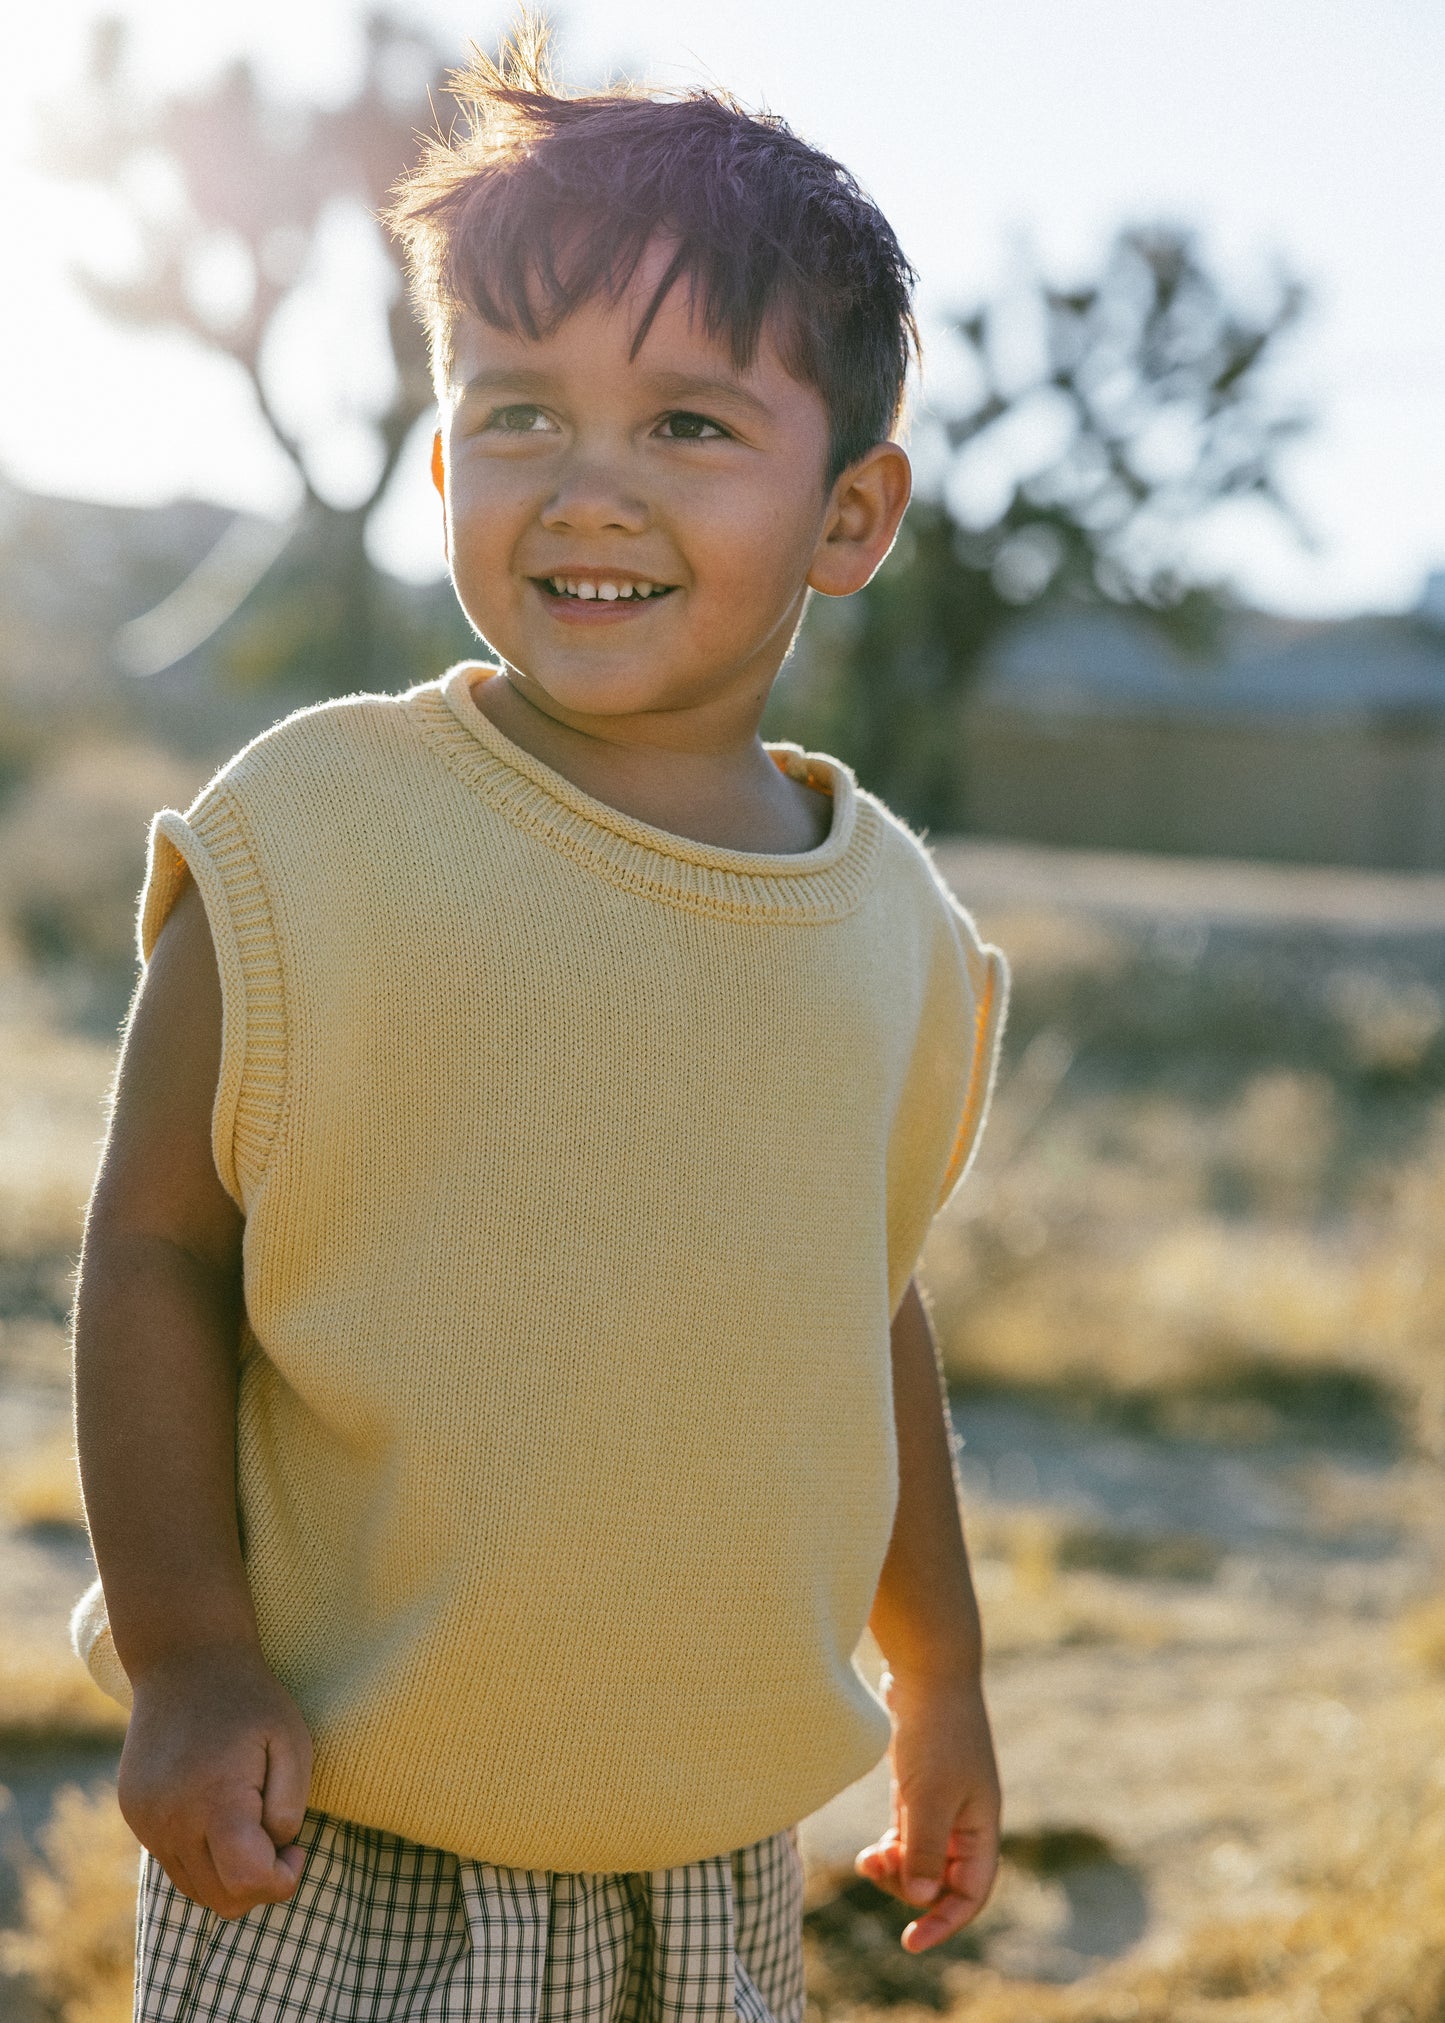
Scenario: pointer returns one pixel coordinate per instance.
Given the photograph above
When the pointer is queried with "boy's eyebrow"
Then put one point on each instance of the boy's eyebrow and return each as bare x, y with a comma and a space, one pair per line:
687, 386
520, 379
507, 379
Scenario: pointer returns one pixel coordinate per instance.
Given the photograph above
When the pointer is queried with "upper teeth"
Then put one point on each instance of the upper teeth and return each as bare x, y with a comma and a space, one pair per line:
571, 586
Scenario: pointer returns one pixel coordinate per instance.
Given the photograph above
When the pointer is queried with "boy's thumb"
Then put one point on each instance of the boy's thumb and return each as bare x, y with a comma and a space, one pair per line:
283, 1800
925, 1848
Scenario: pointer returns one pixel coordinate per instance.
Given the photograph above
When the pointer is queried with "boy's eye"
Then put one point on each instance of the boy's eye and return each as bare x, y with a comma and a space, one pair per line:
690, 428
521, 418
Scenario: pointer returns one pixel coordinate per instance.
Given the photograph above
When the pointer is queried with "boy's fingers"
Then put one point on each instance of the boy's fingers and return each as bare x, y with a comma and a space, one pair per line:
971, 1870
284, 1795
246, 1863
925, 1850
204, 1886
968, 1872
880, 1857
942, 1919
196, 1877
179, 1873
967, 1879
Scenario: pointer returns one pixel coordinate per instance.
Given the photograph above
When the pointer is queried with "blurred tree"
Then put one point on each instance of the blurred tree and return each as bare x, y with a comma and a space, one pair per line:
1153, 386
228, 195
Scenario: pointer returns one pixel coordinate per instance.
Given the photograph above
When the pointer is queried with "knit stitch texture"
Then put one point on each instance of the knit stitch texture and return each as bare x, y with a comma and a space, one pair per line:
583, 1168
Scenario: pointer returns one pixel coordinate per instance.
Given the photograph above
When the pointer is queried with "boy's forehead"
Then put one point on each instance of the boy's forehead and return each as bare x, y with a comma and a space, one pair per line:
599, 338
598, 326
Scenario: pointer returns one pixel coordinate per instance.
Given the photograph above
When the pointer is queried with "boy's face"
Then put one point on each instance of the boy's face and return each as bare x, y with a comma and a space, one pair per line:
577, 479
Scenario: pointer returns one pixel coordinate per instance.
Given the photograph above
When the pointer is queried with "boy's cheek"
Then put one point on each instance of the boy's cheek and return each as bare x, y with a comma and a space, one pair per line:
481, 488
480, 549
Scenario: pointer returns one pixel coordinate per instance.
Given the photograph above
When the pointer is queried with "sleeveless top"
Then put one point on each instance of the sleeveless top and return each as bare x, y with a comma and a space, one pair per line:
583, 1167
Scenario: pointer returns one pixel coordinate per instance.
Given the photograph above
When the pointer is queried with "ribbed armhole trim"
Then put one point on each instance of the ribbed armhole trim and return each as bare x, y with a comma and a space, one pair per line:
251, 1087
94, 1645
990, 1008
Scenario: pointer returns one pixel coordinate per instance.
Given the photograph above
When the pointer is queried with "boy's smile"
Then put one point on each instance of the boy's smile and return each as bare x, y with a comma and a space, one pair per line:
635, 537
590, 597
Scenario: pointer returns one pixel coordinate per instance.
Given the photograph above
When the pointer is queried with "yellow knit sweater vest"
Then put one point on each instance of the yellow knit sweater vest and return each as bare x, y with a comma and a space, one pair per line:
583, 1168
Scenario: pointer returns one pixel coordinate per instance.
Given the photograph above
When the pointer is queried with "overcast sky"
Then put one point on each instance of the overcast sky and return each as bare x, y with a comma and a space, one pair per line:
1301, 131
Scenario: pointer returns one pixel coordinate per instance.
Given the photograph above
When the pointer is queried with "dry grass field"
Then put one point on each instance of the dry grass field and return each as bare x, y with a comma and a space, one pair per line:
1193, 1312
1193, 1309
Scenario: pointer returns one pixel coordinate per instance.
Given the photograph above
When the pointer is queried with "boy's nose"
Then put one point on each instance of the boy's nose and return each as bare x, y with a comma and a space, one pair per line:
590, 496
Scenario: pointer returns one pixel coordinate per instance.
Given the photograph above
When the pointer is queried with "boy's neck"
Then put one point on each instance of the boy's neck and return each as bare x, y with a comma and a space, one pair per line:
713, 783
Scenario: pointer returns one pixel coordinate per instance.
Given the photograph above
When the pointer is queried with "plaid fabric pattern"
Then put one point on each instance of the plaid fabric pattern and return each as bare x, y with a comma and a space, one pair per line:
382, 1930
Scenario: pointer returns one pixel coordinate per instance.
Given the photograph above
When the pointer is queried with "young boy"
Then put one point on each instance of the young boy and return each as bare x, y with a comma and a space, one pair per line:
498, 1364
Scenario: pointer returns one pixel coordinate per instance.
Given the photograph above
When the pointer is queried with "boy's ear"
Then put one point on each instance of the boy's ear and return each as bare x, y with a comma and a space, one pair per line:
439, 479
867, 503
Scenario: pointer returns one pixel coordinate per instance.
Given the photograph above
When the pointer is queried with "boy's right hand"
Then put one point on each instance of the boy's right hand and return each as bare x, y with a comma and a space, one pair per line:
214, 1777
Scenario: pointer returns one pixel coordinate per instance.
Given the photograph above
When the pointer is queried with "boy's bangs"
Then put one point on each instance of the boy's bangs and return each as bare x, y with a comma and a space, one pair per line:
526, 274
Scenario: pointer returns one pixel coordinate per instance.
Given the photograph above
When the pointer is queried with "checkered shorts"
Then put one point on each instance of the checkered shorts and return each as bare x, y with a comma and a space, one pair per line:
382, 1930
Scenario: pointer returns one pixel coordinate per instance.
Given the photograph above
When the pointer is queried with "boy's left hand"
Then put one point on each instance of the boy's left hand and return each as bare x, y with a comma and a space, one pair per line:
941, 1850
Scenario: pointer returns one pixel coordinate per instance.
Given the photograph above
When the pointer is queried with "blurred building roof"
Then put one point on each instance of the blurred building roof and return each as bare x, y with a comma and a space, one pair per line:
1317, 742
1093, 661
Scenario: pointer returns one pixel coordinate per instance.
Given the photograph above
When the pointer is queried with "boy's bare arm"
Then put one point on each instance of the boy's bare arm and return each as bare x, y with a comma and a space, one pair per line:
941, 1849
217, 1759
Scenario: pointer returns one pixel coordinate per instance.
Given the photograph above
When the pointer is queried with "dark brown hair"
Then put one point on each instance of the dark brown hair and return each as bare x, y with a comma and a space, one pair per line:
545, 201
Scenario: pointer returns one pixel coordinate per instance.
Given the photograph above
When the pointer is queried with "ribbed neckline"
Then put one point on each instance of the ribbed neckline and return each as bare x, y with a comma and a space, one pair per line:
820, 884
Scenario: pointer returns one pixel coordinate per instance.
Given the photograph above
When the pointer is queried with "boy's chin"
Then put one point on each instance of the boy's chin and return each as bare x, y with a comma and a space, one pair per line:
596, 692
